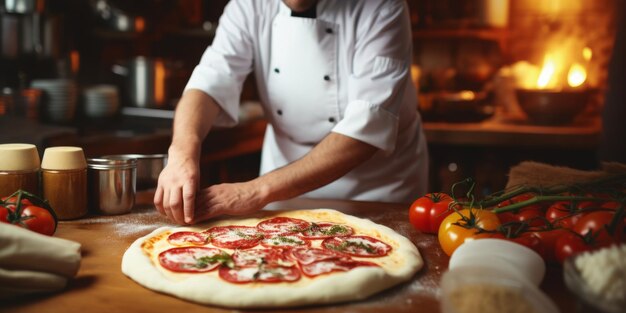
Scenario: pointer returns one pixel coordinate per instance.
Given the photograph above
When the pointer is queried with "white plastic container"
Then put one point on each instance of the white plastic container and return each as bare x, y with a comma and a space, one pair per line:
506, 255
494, 274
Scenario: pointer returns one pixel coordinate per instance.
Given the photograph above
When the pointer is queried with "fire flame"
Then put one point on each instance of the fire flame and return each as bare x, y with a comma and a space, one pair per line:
552, 70
576, 75
547, 72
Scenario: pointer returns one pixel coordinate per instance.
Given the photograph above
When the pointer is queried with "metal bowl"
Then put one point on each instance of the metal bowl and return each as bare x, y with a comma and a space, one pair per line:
552, 107
149, 166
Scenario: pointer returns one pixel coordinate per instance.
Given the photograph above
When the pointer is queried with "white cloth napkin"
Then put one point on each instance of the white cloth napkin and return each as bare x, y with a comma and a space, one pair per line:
33, 263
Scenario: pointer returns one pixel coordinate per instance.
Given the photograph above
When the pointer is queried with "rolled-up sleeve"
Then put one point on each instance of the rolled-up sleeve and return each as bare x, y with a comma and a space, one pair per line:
226, 63
380, 70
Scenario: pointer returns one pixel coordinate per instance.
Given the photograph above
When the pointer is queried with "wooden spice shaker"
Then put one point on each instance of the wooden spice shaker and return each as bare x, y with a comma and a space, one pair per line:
19, 168
64, 181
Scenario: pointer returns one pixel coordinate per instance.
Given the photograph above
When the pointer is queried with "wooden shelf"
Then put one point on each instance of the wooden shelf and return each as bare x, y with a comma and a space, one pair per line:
494, 133
499, 35
494, 34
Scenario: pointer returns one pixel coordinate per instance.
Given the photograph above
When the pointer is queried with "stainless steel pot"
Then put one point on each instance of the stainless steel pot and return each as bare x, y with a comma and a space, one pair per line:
149, 166
146, 81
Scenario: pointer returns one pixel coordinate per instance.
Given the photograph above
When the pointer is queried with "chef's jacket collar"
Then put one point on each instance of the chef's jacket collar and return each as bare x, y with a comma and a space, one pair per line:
310, 13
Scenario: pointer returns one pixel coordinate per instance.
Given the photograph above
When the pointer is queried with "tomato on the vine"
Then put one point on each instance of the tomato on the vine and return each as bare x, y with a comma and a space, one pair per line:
521, 198
548, 238
31, 213
427, 212
39, 220
532, 216
570, 244
526, 239
465, 225
564, 214
598, 224
4, 214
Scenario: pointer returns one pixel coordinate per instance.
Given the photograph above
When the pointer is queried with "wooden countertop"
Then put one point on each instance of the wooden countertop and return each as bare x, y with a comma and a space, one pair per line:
100, 285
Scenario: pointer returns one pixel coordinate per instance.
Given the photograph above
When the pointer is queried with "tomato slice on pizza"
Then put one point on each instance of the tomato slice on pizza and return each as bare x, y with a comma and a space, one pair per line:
234, 237
192, 259
283, 225
326, 230
267, 274
284, 241
359, 246
334, 265
183, 238
311, 255
257, 257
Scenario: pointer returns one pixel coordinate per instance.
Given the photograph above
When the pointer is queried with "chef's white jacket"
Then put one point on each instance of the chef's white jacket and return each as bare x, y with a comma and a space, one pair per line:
355, 82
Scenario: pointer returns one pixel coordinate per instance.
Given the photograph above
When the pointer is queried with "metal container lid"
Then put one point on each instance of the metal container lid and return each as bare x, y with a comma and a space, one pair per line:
136, 156
107, 164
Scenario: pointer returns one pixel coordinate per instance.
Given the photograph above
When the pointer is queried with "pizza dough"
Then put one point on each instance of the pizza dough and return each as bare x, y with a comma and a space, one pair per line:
354, 276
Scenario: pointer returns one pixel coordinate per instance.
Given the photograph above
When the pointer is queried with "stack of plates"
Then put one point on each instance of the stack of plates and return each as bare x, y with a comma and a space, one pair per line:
61, 96
101, 101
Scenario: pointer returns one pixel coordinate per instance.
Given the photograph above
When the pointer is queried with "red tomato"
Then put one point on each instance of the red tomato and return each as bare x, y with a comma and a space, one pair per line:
564, 214
531, 215
452, 232
4, 214
569, 245
38, 220
531, 241
521, 198
612, 205
427, 212
548, 240
597, 223
528, 240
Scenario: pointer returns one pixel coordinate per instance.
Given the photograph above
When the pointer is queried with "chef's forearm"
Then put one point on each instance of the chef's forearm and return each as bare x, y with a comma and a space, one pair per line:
194, 116
331, 159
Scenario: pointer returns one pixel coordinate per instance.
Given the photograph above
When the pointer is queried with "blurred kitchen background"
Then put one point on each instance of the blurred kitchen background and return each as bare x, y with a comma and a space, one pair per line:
500, 81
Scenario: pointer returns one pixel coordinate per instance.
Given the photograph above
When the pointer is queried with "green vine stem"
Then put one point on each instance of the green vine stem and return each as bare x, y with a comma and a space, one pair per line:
554, 190
539, 199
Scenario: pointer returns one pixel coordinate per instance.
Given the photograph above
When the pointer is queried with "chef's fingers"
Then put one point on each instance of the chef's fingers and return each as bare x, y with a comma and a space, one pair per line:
189, 195
176, 205
166, 205
158, 199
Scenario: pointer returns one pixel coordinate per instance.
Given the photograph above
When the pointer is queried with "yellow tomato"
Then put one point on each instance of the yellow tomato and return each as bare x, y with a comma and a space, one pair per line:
469, 221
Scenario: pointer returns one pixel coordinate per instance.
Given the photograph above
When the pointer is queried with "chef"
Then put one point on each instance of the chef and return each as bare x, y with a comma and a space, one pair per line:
334, 80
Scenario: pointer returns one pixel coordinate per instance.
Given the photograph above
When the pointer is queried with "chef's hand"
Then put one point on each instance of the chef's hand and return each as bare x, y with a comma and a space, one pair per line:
230, 199
176, 191
179, 180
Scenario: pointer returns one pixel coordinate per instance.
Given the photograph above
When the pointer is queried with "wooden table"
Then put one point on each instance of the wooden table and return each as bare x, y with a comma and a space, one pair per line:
100, 285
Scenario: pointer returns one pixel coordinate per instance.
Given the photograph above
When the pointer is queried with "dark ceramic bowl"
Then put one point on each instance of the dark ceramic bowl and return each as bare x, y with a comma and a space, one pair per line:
462, 106
550, 107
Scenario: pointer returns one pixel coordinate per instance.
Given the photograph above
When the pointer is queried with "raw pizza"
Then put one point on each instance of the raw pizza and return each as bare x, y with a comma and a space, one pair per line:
274, 259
